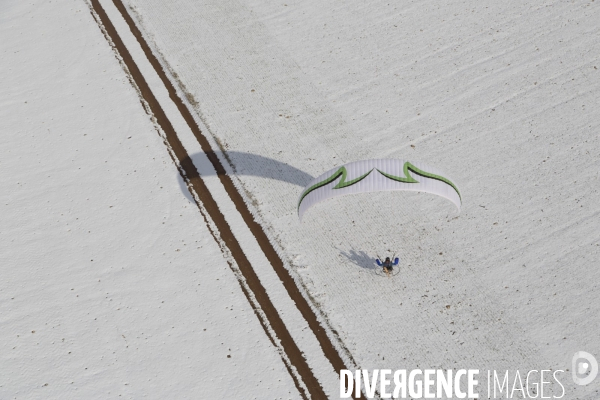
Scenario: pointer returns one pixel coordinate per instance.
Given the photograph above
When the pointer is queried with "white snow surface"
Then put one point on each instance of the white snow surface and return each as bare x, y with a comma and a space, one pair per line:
502, 96
111, 283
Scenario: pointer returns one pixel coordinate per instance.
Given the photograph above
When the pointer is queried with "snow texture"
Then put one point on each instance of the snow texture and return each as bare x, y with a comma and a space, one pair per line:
501, 96
112, 285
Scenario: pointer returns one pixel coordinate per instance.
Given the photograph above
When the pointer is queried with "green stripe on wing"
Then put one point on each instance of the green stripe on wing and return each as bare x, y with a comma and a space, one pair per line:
408, 167
341, 184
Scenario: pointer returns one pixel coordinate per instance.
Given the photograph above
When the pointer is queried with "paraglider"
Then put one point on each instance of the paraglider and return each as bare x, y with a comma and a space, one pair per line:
376, 176
387, 265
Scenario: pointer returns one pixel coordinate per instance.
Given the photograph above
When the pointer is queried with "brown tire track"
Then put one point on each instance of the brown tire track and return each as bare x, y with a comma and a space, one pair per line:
190, 174
276, 262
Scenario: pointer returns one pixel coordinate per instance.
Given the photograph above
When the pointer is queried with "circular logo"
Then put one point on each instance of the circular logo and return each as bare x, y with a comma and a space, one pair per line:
584, 368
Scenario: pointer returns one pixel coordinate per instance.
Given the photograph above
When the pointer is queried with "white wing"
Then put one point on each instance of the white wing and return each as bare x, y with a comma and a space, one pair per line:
376, 176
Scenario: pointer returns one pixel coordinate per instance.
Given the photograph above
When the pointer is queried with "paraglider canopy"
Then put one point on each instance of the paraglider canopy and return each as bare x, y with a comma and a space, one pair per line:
376, 176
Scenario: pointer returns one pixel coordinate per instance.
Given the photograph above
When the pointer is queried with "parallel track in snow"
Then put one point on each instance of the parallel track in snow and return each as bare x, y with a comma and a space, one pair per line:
253, 289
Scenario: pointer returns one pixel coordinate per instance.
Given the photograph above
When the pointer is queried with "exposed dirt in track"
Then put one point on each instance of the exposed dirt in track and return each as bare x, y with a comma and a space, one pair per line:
256, 229
191, 175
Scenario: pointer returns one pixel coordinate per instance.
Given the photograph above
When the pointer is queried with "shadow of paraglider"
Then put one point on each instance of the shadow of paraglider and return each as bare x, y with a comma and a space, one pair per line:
368, 263
360, 258
255, 165
245, 164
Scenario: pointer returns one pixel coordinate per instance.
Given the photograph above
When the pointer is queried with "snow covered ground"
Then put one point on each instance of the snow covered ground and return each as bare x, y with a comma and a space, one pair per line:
111, 284
503, 97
